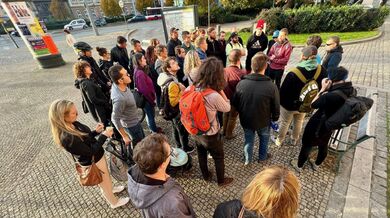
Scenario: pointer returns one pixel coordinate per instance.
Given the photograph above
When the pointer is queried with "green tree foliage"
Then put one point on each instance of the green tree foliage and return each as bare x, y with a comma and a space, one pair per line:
169, 3
241, 4
59, 10
200, 3
140, 5
110, 7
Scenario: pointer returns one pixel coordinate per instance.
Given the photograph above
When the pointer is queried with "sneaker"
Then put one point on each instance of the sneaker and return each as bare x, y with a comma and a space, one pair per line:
189, 150
313, 164
161, 112
276, 141
227, 181
121, 202
209, 156
294, 164
246, 163
118, 189
269, 156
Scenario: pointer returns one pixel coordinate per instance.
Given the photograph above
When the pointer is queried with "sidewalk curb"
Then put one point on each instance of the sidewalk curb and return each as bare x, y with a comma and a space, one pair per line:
379, 35
128, 34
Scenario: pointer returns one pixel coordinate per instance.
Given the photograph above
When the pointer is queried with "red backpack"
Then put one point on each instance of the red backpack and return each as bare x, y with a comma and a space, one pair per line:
193, 112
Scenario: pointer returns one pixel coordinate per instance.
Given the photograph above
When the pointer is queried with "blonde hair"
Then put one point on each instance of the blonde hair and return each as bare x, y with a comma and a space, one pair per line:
57, 112
199, 41
191, 61
273, 193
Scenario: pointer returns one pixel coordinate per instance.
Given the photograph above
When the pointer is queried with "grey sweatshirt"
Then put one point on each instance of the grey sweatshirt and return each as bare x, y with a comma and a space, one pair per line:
124, 109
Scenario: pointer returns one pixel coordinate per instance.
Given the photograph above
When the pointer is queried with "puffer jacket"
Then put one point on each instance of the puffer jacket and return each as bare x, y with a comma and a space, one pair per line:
333, 58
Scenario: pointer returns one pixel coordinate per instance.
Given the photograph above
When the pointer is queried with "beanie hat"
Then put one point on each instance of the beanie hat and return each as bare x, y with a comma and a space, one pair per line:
260, 24
309, 51
337, 74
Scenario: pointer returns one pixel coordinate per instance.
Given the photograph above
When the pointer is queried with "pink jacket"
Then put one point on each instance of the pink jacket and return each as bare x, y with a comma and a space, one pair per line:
281, 53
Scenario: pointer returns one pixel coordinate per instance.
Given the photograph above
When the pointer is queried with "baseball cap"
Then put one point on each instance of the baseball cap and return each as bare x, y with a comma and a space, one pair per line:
276, 34
173, 29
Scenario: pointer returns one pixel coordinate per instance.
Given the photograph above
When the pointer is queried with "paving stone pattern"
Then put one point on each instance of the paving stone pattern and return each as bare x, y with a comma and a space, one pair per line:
38, 178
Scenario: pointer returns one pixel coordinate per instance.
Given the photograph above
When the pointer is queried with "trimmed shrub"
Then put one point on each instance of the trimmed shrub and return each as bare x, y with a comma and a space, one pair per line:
312, 19
219, 15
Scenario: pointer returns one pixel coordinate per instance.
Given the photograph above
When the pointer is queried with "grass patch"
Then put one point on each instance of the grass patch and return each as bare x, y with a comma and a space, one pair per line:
300, 39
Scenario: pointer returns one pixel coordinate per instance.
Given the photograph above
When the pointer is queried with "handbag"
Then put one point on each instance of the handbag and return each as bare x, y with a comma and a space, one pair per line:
88, 175
140, 100
84, 105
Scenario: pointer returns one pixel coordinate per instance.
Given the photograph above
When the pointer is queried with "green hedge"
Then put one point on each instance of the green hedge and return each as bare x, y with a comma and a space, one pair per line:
314, 19
219, 15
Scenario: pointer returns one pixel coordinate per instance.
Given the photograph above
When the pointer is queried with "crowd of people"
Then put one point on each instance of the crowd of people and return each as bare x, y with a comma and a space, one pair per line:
204, 62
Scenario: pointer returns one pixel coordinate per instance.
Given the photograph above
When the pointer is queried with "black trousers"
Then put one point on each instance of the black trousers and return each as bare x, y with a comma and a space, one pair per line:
276, 76
180, 134
214, 145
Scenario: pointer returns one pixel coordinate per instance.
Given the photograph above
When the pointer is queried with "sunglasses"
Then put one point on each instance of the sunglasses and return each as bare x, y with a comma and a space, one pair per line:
329, 44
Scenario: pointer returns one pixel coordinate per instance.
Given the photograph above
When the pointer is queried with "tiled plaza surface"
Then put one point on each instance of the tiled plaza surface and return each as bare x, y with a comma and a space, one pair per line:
38, 178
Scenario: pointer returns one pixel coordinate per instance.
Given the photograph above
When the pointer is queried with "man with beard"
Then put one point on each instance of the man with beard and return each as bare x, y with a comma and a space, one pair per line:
257, 42
214, 47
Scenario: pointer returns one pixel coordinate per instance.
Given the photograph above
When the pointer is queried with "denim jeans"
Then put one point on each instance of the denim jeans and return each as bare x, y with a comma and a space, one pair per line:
264, 135
150, 114
180, 134
136, 134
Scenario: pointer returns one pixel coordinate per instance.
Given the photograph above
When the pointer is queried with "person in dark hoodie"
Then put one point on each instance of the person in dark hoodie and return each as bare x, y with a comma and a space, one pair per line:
274, 192
257, 42
334, 53
150, 188
173, 41
214, 47
104, 62
290, 93
94, 100
180, 54
85, 54
328, 101
257, 102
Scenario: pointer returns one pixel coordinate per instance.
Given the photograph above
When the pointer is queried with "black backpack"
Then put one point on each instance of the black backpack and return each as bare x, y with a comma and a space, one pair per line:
354, 109
169, 112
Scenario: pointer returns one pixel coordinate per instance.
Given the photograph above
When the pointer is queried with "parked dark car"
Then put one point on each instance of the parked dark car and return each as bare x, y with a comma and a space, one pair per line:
100, 22
136, 18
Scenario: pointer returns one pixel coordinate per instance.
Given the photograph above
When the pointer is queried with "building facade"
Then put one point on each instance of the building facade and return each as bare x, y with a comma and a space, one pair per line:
79, 11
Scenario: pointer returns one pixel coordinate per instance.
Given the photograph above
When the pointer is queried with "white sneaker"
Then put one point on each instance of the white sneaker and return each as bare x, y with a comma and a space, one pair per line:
121, 202
313, 165
276, 141
118, 189
294, 164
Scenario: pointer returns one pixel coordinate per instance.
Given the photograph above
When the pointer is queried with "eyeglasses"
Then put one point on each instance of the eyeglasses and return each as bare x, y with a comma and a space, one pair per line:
171, 153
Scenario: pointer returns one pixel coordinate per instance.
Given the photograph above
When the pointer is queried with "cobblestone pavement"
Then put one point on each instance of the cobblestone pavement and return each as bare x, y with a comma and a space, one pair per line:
38, 178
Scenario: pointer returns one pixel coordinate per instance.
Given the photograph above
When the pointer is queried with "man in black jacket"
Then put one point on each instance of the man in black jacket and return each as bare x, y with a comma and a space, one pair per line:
119, 53
257, 102
173, 41
257, 42
290, 93
214, 47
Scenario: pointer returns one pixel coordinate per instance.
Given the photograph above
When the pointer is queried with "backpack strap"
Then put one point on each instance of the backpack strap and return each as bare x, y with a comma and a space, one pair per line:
299, 74
318, 72
167, 82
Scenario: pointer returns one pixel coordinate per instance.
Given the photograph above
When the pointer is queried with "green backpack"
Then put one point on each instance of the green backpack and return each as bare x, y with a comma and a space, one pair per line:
309, 91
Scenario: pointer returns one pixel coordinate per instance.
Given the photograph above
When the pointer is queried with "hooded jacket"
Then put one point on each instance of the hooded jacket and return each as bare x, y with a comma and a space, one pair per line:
257, 101
281, 53
174, 90
158, 199
333, 58
292, 85
232, 209
255, 44
93, 96
121, 56
97, 74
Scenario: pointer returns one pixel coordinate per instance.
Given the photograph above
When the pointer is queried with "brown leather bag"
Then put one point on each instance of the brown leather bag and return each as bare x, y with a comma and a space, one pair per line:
88, 175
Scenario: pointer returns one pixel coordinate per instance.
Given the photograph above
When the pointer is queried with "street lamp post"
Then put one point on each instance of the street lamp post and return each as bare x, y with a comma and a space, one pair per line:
122, 4
90, 18
208, 12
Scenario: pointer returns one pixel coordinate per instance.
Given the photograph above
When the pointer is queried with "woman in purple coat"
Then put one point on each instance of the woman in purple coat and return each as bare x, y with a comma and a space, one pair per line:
144, 84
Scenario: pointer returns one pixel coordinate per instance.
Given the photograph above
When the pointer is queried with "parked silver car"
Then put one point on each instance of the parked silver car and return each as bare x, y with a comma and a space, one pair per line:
76, 25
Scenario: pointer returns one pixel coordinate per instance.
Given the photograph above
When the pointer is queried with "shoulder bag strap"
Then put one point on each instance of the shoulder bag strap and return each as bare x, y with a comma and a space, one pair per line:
318, 72
299, 74
241, 215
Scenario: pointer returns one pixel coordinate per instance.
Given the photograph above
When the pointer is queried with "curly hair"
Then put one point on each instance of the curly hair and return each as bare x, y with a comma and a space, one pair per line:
211, 75
79, 69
